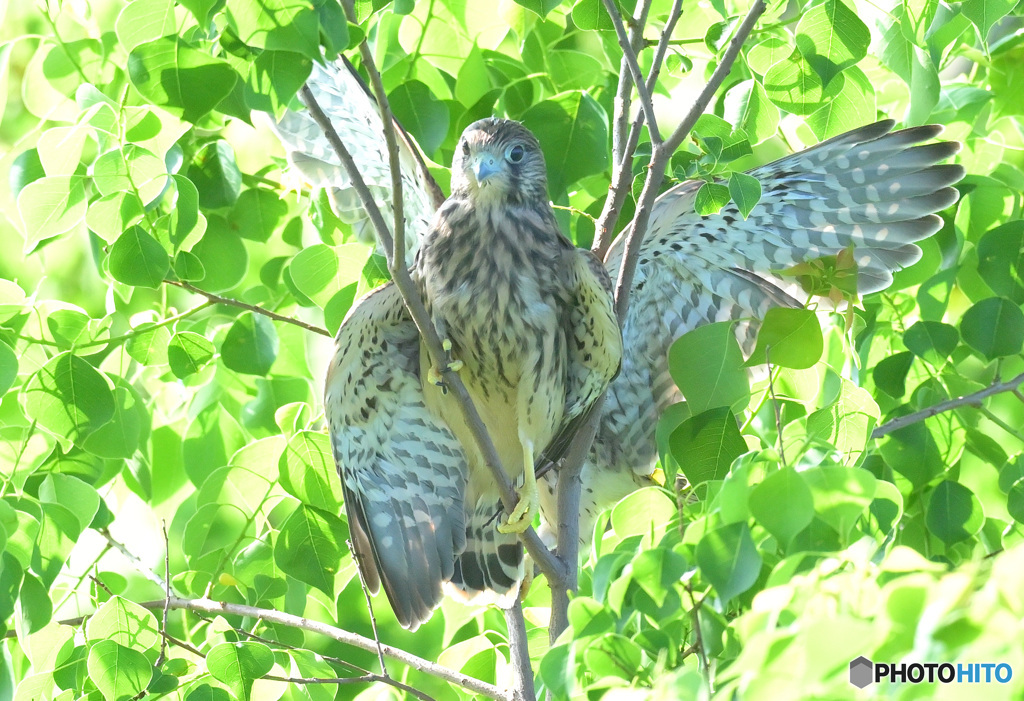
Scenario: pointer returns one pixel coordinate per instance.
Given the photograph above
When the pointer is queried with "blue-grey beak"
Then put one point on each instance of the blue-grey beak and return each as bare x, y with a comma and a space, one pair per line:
486, 165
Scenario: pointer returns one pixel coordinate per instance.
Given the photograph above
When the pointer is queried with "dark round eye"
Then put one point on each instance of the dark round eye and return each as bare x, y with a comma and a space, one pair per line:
465, 147
515, 154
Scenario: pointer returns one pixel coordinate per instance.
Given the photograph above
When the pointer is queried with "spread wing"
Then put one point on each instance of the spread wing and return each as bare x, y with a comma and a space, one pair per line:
345, 99
871, 188
403, 472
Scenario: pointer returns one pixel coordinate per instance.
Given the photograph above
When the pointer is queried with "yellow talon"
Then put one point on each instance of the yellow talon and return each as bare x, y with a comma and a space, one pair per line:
529, 497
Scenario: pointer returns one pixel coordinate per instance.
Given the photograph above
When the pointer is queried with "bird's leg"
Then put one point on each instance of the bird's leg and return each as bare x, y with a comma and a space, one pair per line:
435, 374
529, 497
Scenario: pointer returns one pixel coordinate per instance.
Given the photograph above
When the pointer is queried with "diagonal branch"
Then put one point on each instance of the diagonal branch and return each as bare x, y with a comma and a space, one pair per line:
948, 405
217, 299
629, 57
624, 143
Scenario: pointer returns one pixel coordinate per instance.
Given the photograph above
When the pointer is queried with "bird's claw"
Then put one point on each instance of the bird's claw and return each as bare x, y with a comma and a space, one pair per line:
435, 375
529, 503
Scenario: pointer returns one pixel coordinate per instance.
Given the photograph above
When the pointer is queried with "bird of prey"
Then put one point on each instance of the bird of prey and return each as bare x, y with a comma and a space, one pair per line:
402, 455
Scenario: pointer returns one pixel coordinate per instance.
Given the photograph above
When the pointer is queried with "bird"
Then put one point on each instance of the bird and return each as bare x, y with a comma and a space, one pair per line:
874, 191
530, 322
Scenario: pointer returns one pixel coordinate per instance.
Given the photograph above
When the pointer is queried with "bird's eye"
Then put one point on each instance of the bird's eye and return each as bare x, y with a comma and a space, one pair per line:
465, 147
515, 154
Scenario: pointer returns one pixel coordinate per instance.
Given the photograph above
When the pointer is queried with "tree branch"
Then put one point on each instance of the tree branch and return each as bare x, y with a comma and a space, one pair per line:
519, 652
629, 57
623, 146
948, 405
217, 299
663, 153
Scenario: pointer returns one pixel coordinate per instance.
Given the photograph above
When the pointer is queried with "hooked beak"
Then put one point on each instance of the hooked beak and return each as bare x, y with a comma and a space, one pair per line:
486, 165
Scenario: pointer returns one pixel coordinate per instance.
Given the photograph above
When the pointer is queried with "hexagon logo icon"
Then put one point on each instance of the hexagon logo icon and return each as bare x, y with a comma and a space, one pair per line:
861, 672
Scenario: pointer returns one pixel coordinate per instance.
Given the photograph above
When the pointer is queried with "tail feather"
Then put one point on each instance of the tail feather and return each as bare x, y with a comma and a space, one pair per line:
491, 567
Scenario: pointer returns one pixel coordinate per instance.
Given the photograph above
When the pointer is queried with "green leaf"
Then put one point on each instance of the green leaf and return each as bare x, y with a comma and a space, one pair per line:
222, 255
111, 214
832, 38
573, 132
258, 213
728, 558
130, 169
125, 623
215, 174
1015, 501
308, 471
747, 106
932, 340
591, 15
985, 13
188, 352
422, 114
847, 424
145, 20
274, 79
954, 512
706, 444
541, 7
710, 199
283, 25
185, 81
793, 85
314, 271
745, 191
251, 345
120, 437
841, 495
707, 366
783, 504
34, 606
68, 397
310, 546
890, 374
73, 494
789, 338
849, 103
50, 207
994, 327
119, 673
1001, 260
8, 368
136, 258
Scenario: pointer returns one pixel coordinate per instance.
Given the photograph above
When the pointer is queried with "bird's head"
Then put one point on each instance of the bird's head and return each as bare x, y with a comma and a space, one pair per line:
499, 161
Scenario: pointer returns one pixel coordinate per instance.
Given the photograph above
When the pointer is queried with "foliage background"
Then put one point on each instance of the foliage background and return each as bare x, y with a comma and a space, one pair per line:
129, 402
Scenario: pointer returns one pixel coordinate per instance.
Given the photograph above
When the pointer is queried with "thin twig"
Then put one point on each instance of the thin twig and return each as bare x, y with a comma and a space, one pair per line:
519, 652
630, 58
948, 405
775, 406
553, 569
369, 607
167, 593
139, 565
698, 642
255, 309
622, 170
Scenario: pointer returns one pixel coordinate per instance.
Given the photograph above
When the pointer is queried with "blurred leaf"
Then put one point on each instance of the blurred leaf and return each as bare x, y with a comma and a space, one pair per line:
931, 340
783, 504
68, 397
994, 327
136, 258
125, 623
789, 338
1001, 260
239, 664
890, 375
707, 366
251, 345
573, 132
50, 207
832, 38
162, 69
426, 117
729, 559
188, 352
954, 512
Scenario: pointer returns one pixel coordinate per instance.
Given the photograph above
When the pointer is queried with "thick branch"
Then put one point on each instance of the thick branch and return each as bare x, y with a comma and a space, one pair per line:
948, 405
519, 652
553, 569
251, 307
